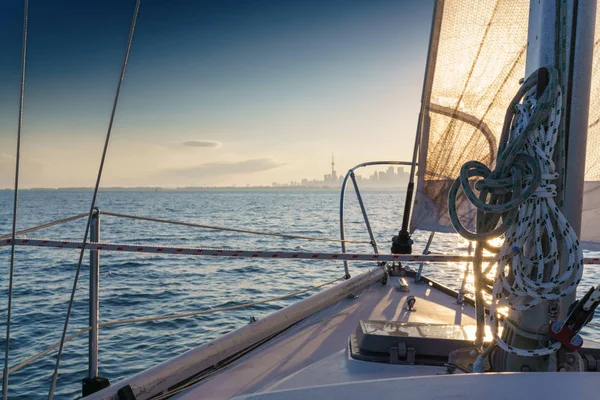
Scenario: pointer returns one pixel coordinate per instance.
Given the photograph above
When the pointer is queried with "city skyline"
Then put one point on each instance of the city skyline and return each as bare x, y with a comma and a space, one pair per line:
392, 177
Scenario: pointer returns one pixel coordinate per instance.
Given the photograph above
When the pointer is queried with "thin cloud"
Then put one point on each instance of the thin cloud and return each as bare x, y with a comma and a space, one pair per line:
221, 168
202, 143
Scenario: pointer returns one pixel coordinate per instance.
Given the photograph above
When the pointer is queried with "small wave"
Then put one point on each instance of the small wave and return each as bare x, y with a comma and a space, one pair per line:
127, 264
243, 270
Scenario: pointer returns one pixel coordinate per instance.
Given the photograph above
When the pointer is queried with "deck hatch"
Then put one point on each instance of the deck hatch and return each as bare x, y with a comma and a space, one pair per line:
421, 343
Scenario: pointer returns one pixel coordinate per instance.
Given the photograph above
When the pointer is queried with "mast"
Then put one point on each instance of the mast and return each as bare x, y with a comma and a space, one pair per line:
580, 71
560, 34
402, 243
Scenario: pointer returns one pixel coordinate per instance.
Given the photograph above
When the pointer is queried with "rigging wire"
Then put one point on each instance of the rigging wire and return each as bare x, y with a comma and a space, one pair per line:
94, 196
46, 225
166, 317
48, 350
214, 310
166, 221
15, 202
240, 253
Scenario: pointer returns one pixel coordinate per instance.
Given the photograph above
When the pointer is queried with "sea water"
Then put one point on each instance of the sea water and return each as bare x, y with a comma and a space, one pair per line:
141, 285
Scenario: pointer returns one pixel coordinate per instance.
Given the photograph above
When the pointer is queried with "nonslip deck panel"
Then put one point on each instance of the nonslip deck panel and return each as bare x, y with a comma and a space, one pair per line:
326, 333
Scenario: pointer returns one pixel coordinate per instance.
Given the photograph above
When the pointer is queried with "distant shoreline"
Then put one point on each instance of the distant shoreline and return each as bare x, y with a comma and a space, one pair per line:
266, 188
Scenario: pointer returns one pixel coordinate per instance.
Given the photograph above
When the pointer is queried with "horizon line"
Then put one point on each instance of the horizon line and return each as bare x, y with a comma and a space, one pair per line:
188, 187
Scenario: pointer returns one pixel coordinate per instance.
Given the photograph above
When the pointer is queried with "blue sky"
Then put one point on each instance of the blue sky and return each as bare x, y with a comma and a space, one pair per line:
216, 92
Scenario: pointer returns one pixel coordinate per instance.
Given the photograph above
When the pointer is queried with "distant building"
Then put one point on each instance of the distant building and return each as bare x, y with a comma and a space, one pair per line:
331, 179
390, 178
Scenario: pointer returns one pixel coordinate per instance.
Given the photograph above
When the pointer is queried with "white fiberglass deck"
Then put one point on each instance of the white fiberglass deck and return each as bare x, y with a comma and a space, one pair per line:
489, 386
313, 351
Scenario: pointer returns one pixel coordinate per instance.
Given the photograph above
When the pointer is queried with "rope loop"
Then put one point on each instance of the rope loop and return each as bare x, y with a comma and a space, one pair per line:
524, 166
516, 199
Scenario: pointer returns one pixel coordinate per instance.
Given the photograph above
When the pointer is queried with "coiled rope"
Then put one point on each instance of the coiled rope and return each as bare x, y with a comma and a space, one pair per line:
516, 199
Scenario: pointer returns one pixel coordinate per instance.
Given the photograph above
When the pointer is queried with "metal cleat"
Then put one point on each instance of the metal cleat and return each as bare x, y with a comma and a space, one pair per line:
403, 285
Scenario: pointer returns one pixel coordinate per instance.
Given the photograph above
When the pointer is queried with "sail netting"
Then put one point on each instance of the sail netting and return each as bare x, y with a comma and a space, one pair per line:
480, 59
479, 62
590, 222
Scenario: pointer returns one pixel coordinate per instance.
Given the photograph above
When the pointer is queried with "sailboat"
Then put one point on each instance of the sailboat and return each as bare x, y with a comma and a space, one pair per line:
509, 114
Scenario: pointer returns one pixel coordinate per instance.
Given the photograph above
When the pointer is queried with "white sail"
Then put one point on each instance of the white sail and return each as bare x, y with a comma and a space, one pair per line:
480, 60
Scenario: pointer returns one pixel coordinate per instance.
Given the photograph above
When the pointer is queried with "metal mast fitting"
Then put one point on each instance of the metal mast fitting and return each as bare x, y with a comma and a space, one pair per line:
560, 34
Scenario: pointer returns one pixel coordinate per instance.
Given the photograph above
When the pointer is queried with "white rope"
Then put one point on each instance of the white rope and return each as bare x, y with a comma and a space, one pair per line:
235, 253
165, 317
15, 202
302, 255
513, 326
220, 228
94, 196
522, 252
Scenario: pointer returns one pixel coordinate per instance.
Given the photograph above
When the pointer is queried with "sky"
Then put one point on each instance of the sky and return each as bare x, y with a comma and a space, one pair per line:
216, 93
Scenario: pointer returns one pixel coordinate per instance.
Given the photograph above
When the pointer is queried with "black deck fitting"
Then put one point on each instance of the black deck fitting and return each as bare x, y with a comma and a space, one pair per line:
93, 385
402, 244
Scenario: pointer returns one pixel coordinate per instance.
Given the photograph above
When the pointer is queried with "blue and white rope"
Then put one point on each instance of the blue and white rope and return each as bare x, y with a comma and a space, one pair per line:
516, 199
522, 256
